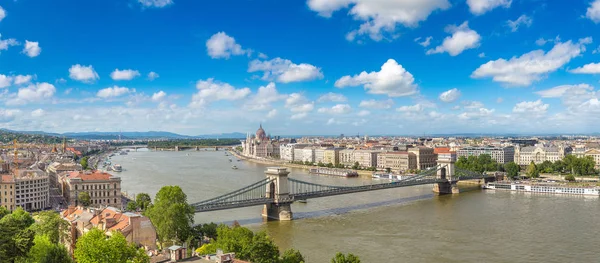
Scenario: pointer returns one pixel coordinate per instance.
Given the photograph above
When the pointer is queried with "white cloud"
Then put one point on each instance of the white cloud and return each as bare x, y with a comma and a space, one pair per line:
531, 107
532, 66
152, 75
283, 70
593, 12
462, 38
424, 43
83, 73
22, 79
126, 74
337, 109
476, 114
481, 55
377, 104
392, 80
32, 49
264, 97
381, 16
479, 7
7, 115
159, 96
332, 97
155, 3
570, 95
220, 45
450, 95
363, 113
272, 113
522, 20
333, 121
413, 108
5, 81
111, 92
472, 104
210, 90
295, 99
2, 13
592, 68
306, 107
37, 113
37, 92
6, 43
299, 116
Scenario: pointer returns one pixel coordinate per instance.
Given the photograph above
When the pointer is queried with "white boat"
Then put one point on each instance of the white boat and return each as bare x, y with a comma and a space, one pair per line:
384, 176
116, 168
234, 167
544, 188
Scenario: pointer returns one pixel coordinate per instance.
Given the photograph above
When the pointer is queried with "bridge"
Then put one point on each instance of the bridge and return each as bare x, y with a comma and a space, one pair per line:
277, 191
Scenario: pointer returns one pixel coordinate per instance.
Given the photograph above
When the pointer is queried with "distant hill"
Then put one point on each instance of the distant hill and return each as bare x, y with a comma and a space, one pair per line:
233, 135
130, 135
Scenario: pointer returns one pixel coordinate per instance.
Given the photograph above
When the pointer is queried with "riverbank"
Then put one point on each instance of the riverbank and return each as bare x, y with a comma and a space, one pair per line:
361, 173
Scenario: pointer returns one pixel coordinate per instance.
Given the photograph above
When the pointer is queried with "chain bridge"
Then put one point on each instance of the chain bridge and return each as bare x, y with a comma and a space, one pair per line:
277, 191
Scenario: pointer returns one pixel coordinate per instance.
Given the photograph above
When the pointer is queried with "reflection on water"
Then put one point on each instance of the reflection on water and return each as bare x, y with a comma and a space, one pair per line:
393, 225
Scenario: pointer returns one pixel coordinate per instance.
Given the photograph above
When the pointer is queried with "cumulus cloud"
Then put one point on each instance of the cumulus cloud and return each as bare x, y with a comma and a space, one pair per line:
480, 7
22, 79
85, 74
592, 68
523, 20
7, 115
284, 71
264, 97
462, 38
299, 116
363, 113
337, 109
413, 108
380, 16
424, 43
476, 114
472, 104
392, 80
332, 97
2, 13
159, 96
37, 92
111, 92
593, 12
155, 3
6, 43
210, 90
272, 113
126, 74
531, 107
376, 104
450, 95
152, 75
37, 113
220, 45
32, 49
5, 81
570, 95
532, 66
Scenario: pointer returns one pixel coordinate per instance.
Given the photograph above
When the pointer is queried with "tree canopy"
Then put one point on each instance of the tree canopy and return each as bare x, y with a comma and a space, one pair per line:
481, 163
94, 247
16, 238
84, 198
142, 201
50, 224
171, 215
341, 258
512, 169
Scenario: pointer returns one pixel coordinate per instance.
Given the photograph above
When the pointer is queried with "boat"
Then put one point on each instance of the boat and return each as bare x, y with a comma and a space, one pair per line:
116, 168
234, 167
230, 160
123, 153
302, 201
544, 188
383, 176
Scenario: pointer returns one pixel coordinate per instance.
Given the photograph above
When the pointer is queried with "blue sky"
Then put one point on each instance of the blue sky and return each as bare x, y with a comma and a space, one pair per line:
301, 67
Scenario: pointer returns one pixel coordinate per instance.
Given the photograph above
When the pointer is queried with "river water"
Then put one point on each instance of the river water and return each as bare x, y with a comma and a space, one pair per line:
394, 225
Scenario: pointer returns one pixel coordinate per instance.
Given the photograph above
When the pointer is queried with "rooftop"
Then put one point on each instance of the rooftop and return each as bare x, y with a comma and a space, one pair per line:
90, 176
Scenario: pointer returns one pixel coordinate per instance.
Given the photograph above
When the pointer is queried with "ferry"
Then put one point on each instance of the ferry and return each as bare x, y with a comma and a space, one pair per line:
333, 171
234, 167
116, 168
384, 176
544, 188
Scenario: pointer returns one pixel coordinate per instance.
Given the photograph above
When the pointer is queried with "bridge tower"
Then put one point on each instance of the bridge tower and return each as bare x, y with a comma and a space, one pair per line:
446, 172
281, 207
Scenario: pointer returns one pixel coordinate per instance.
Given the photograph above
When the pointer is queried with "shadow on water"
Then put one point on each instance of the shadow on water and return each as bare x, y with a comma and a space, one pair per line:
339, 210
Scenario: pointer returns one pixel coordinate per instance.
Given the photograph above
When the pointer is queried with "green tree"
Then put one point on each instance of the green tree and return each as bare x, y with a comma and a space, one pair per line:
558, 166
307, 163
143, 200
85, 199
131, 206
292, 256
3, 212
532, 171
570, 177
262, 249
320, 164
356, 166
16, 237
84, 163
50, 224
341, 258
94, 247
44, 250
329, 165
388, 170
512, 169
171, 215
207, 249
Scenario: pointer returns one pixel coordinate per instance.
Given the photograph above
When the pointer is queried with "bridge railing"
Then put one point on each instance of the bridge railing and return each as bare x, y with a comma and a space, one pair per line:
251, 192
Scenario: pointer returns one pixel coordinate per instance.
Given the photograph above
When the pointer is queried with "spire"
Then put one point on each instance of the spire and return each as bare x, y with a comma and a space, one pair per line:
261, 125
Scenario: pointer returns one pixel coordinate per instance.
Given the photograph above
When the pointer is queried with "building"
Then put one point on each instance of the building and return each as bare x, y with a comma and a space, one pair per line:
56, 168
346, 157
32, 190
7, 194
136, 228
104, 189
286, 151
595, 154
365, 158
397, 161
319, 155
501, 155
331, 155
260, 145
307, 154
425, 157
538, 154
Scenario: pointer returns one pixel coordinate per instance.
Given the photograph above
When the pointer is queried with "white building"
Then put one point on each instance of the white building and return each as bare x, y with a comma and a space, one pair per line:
366, 158
319, 155
32, 190
499, 154
286, 151
538, 154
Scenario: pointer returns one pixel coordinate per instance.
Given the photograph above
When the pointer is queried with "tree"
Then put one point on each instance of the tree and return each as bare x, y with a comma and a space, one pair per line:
50, 224
292, 256
3, 212
356, 166
341, 258
532, 171
329, 165
206, 249
570, 178
171, 215
131, 206
84, 163
388, 170
94, 247
320, 164
85, 199
262, 249
143, 200
307, 163
44, 250
512, 169
16, 238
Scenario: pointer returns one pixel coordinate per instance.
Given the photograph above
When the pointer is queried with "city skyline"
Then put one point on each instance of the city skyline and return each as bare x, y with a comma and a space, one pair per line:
311, 67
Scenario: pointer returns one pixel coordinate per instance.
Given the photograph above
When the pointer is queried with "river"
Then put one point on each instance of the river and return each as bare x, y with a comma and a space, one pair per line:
394, 225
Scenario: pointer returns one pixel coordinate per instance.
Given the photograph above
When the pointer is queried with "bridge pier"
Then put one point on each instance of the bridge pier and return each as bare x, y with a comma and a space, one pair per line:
446, 188
281, 207
446, 173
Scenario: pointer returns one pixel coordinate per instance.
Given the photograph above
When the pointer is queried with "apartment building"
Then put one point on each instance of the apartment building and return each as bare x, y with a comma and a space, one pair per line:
332, 155
366, 158
7, 191
425, 157
104, 188
286, 151
501, 155
346, 157
32, 190
397, 161
319, 155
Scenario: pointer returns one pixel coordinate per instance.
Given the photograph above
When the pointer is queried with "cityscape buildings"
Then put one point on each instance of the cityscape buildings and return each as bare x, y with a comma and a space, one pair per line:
499, 154
104, 188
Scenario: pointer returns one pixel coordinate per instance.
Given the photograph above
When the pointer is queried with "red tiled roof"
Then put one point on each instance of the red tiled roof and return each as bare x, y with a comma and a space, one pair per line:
87, 176
7, 178
441, 150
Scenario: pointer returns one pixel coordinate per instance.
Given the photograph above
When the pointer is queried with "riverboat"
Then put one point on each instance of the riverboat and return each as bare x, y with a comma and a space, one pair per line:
333, 171
544, 188
116, 168
387, 176
234, 167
